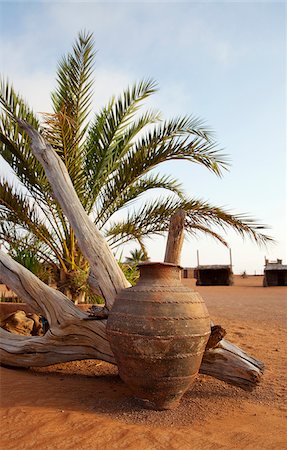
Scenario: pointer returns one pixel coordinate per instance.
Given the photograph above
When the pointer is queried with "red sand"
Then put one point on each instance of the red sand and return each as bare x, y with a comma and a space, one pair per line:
84, 405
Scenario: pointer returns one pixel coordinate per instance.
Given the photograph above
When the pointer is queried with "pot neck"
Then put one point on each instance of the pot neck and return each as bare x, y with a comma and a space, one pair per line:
158, 272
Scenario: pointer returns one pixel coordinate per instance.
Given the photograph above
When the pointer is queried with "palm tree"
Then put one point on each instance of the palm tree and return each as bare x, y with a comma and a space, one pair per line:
111, 161
136, 256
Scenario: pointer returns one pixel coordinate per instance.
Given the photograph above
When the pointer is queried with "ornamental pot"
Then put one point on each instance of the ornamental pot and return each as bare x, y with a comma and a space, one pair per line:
158, 331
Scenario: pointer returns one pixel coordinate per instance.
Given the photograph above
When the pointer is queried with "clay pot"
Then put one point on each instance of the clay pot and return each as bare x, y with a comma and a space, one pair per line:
158, 331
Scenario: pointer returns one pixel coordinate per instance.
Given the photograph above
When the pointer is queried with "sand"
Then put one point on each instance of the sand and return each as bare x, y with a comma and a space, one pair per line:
84, 405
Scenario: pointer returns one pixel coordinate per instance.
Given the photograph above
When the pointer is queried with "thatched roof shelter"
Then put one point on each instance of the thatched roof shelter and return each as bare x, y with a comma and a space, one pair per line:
275, 273
214, 275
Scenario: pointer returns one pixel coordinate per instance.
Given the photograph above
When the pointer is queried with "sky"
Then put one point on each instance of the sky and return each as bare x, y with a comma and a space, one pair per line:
222, 61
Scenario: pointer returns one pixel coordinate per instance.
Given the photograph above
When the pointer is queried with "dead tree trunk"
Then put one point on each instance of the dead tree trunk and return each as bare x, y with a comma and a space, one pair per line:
175, 238
106, 277
71, 336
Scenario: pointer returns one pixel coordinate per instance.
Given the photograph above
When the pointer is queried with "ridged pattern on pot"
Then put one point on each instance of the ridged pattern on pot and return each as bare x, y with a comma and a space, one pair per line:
158, 330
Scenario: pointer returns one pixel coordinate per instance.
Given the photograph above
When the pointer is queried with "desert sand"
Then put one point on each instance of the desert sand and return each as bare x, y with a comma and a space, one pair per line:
85, 405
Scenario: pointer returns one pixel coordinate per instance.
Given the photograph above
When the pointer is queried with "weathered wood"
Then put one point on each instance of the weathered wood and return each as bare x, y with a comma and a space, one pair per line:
69, 337
106, 277
230, 364
216, 335
175, 238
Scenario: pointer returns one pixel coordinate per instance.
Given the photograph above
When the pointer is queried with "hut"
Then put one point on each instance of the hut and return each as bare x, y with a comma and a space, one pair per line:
216, 275
275, 273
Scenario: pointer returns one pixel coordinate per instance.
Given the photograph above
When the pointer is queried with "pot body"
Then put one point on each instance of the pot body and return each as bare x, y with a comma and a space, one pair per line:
158, 331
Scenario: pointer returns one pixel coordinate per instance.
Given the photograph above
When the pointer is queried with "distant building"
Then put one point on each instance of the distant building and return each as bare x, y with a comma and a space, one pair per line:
216, 275
275, 273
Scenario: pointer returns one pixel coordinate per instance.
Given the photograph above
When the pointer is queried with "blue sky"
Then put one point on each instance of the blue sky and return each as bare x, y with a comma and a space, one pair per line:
222, 61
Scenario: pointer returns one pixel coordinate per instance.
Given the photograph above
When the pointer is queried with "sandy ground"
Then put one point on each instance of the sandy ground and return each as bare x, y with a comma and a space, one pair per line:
84, 405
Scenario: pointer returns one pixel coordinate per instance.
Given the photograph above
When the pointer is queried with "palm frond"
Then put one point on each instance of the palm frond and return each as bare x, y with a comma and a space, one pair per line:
15, 145
172, 140
193, 231
74, 81
143, 222
166, 142
153, 218
16, 209
113, 130
115, 196
25, 247
65, 129
203, 213
59, 132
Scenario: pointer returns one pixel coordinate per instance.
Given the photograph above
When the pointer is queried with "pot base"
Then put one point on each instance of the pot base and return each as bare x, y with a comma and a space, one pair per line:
159, 406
